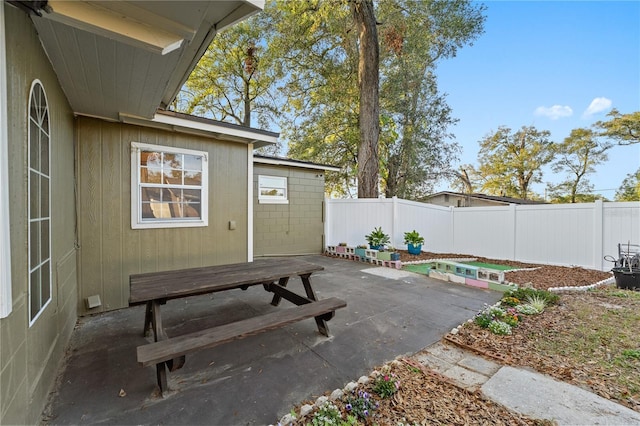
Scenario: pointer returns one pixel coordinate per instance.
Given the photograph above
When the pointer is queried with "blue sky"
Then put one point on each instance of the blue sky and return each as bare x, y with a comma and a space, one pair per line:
556, 65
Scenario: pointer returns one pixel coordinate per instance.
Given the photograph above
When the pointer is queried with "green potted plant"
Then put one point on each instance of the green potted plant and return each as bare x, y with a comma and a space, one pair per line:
414, 242
377, 238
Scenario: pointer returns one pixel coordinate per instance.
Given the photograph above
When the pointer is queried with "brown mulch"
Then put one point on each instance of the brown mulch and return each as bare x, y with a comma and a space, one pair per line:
542, 278
425, 397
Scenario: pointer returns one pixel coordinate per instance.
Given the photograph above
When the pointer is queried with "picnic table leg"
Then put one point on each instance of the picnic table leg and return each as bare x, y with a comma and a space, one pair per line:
323, 328
148, 326
276, 297
158, 335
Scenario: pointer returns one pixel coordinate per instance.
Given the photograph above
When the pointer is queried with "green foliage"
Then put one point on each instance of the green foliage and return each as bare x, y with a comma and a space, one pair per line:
329, 415
377, 237
523, 293
413, 237
500, 328
577, 156
631, 353
527, 309
509, 162
386, 385
630, 188
361, 406
537, 301
510, 301
622, 128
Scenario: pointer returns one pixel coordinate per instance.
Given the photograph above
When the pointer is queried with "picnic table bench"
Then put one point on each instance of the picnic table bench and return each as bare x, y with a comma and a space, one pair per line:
156, 288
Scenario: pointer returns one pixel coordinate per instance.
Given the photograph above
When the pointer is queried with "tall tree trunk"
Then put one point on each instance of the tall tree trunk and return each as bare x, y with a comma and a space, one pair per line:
368, 81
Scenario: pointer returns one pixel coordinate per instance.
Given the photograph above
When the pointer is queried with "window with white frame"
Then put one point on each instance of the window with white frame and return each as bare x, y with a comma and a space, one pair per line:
272, 189
169, 187
39, 203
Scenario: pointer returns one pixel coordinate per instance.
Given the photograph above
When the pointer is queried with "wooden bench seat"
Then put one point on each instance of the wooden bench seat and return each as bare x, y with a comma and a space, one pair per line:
175, 347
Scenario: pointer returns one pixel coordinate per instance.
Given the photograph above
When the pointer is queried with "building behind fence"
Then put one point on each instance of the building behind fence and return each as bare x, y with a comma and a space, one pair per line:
554, 234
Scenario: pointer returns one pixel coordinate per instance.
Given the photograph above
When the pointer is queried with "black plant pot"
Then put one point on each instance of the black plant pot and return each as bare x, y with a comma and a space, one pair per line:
627, 279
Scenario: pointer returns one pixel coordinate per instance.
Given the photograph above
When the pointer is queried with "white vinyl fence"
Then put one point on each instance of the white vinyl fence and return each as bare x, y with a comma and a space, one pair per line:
554, 234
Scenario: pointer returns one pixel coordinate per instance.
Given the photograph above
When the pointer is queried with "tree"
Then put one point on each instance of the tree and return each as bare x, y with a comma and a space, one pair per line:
235, 78
418, 149
510, 162
623, 128
577, 155
368, 81
630, 188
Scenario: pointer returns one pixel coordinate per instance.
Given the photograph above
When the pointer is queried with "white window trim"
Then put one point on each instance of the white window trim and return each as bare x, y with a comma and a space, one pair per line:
6, 300
136, 211
274, 199
50, 258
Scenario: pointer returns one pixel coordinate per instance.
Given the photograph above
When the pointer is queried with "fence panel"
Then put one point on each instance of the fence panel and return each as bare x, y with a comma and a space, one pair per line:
555, 234
431, 221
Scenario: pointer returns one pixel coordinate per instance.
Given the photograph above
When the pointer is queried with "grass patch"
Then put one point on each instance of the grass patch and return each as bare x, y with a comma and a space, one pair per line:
604, 335
490, 266
421, 268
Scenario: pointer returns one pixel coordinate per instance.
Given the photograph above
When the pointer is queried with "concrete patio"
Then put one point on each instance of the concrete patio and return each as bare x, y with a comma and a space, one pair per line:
258, 379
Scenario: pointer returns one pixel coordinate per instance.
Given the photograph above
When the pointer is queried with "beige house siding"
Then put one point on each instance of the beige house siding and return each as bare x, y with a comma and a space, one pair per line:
30, 356
452, 200
110, 250
293, 228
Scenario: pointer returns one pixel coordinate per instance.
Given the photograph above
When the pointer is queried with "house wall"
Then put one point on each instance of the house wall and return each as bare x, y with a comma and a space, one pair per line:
461, 201
110, 250
293, 228
30, 356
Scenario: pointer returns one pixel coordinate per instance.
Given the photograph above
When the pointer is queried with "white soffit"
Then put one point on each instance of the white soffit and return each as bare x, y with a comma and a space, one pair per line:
130, 57
176, 122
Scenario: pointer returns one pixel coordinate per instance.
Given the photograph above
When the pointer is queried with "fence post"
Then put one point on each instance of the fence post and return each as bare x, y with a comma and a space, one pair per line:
394, 220
326, 216
598, 235
512, 229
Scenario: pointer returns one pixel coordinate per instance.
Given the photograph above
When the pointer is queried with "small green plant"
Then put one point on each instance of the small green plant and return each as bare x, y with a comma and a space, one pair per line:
329, 415
510, 301
362, 246
377, 237
631, 353
523, 293
500, 328
386, 385
413, 237
361, 406
526, 309
511, 317
537, 302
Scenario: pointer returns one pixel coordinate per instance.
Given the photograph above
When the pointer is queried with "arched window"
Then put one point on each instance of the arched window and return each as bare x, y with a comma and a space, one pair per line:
39, 202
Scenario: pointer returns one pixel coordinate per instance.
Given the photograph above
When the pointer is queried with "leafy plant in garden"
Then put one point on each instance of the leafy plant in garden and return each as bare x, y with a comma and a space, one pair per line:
386, 385
537, 302
361, 406
511, 317
328, 415
527, 309
499, 327
510, 301
523, 293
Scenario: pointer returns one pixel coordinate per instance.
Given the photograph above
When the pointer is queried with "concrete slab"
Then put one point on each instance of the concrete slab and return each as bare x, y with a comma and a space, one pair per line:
258, 379
394, 274
479, 364
542, 397
465, 378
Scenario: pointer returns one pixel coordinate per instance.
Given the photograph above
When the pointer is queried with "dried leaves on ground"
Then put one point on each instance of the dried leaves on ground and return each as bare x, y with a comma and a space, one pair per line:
589, 339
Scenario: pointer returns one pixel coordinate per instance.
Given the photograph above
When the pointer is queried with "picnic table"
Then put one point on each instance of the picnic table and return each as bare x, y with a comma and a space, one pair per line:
156, 288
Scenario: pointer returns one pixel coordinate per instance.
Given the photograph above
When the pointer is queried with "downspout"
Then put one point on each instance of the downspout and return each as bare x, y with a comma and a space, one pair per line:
250, 202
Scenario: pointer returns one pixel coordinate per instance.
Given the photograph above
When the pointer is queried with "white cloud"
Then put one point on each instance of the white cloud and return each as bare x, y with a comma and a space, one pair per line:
597, 105
554, 112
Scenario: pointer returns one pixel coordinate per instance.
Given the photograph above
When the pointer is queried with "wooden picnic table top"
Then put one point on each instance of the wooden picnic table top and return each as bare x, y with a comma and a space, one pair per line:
194, 281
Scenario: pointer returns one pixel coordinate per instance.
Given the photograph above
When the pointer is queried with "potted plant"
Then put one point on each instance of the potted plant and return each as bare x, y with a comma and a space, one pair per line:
414, 242
377, 238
